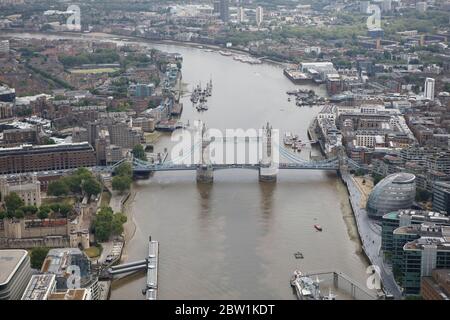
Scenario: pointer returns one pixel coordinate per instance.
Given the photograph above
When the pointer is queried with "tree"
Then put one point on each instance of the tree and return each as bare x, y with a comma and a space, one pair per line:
117, 223
2, 215
29, 210
37, 257
65, 209
107, 224
42, 214
102, 224
121, 183
124, 169
44, 211
139, 152
83, 172
74, 183
13, 202
58, 188
91, 186
19, 214
376, 178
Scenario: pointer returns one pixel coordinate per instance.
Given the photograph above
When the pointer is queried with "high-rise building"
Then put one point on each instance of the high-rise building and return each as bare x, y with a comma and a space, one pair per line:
430, 250
4, 46
259, 15
421, 6
225, 10
407, 217
429, 89
386, 5
240, 15
364, 6
7, 94
441, 196
216, 6
15, 273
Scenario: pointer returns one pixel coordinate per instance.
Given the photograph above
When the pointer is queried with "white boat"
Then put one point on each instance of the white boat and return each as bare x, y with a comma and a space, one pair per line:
225, 53
202, 107
288, 139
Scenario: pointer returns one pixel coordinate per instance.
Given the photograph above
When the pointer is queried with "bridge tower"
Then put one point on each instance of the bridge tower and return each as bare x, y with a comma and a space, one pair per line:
268, 169
205, 173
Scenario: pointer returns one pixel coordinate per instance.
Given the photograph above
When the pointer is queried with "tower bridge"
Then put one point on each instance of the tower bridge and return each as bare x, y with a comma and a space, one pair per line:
267, 166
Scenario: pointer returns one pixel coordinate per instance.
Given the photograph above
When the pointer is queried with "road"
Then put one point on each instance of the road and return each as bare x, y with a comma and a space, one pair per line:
370, 234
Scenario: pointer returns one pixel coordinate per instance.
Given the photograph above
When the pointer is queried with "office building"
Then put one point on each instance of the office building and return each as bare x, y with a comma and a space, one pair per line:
225, 10
15, 272
62, 262
441, 196
386, 5
28, 158
7, 94
436, 287
406, 217
124, 135
423, 255
259, 15
396, 191
240, 15
40, 287
421, 6
429, 89
364, 6
6, 110
141, 90
43, 287
4, 46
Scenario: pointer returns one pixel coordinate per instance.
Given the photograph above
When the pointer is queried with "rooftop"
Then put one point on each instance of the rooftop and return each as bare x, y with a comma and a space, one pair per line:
10, 261
441, 243
39, 287
421, 215
71, 294
26, 148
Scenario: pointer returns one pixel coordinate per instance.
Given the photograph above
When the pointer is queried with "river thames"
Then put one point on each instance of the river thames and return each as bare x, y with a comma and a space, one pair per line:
236, 238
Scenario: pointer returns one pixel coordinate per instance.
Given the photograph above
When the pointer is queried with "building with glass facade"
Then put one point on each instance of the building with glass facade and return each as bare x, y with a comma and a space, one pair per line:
396, 191
441, 196
15, 272
423, 255
406, 217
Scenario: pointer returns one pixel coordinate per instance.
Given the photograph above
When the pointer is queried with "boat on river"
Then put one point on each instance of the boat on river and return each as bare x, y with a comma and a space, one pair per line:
305, 287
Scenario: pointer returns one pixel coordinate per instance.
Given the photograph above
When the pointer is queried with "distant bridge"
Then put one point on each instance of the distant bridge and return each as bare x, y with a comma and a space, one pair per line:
267, 167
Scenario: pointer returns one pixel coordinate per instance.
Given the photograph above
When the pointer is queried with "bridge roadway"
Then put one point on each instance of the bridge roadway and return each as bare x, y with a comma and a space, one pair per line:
332, 165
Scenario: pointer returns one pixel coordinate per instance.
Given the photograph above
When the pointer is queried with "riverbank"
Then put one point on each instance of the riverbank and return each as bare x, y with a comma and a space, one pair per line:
124, 203
189, 44
370, 236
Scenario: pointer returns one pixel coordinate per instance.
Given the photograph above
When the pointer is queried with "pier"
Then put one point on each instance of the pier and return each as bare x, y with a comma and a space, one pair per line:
343, 283
151, 290
150, 263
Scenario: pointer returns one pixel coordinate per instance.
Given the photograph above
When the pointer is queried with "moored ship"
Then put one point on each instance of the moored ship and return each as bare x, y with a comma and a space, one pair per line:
305, 287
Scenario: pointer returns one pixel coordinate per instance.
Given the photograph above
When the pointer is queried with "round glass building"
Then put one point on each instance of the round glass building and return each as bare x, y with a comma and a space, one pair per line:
396, 191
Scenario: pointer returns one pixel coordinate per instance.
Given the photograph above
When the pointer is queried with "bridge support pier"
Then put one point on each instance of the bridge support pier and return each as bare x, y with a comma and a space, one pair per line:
267, 174
205, 174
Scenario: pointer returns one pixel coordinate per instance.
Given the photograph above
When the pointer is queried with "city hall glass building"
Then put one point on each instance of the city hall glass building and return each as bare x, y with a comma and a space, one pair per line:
396, 191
